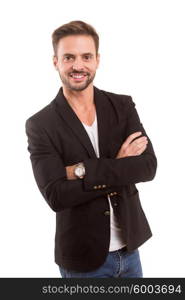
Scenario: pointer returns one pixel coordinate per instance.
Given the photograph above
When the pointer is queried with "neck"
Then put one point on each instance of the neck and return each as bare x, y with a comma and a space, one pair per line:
80, 100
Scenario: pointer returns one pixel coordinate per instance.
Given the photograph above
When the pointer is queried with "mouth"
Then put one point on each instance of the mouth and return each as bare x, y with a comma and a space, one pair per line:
78, 76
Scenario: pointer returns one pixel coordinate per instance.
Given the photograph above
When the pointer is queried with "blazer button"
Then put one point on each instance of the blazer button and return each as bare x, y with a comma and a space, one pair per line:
99, 186
107, 213
95, 187
115, 204
103, 186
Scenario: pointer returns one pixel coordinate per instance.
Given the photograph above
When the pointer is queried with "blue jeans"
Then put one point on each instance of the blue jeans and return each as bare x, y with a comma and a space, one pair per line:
118, 263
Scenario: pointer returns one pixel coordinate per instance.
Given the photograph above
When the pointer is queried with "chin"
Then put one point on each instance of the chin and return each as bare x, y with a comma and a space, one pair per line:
79, 87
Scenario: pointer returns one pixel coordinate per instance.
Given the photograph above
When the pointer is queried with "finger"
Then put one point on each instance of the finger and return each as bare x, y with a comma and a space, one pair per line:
140, 140
141, 144
141, 150
135, 146
131, 137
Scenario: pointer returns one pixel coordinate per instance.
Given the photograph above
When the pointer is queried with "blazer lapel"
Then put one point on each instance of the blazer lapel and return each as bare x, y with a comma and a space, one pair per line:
103, 119
69, 116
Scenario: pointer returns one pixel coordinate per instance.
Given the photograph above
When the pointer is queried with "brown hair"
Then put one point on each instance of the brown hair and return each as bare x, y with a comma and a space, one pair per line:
74, 28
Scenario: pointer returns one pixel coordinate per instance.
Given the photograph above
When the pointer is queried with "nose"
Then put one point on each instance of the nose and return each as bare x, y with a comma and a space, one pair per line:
78, 64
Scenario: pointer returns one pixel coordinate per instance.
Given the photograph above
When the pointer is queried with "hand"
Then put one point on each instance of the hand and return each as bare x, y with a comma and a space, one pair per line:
70, 172
134, 148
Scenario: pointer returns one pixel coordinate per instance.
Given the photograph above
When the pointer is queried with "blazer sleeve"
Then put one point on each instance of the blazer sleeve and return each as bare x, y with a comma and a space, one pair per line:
50, 173
127, 170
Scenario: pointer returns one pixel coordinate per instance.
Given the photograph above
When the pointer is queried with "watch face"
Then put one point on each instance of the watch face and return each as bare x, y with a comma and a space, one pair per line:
79, 171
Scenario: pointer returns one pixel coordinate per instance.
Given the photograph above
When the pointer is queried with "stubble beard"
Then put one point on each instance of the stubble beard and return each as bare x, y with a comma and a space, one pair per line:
78, 86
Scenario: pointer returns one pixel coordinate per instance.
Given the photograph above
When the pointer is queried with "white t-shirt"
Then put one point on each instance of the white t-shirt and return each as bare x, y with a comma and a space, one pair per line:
116, 240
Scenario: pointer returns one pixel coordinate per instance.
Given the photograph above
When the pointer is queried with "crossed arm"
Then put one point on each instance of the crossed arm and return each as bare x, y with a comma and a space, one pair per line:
135, 162
128, 148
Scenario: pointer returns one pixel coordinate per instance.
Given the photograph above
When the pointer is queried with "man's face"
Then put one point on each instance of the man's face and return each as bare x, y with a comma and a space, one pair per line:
76, 61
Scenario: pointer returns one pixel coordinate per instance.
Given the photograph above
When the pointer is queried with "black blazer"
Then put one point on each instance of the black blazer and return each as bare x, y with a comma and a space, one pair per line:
56, 138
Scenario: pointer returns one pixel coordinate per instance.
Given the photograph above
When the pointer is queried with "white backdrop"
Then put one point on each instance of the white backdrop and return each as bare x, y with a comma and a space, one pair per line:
142, 52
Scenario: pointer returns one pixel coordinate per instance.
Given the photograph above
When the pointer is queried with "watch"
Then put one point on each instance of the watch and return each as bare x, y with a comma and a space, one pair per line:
79, 170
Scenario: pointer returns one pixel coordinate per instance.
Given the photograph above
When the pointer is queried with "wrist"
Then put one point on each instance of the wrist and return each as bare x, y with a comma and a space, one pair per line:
79, 170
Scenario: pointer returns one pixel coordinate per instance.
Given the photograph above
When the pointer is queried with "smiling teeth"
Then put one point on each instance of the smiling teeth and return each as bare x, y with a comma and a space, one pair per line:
77, 76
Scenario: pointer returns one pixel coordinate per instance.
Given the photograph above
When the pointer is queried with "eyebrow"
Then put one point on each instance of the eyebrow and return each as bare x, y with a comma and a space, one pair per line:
70, 54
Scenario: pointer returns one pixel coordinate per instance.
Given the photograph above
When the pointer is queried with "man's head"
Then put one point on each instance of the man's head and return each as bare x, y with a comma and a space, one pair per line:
76, 55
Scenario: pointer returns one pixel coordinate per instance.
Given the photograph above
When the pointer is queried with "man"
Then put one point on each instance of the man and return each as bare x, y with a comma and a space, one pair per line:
88, 150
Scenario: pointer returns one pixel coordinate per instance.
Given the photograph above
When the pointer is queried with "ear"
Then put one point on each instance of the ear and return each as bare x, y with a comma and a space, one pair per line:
55, 62
98, 59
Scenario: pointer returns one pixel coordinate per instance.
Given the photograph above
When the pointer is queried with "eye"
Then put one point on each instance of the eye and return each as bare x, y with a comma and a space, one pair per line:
68, 58
87, 57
